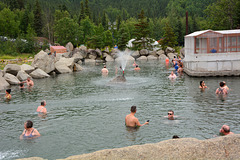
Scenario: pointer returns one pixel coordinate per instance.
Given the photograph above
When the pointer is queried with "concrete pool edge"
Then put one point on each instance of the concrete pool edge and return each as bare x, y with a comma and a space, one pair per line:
224, 147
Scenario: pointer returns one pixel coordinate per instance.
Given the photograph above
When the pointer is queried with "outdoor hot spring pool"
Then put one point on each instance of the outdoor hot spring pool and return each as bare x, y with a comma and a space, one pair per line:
86, 112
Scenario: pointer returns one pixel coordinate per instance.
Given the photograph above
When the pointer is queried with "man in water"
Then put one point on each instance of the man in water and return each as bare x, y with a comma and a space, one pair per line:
171, 115
42, 108
29, 82
137, 68
172, 76
221, 89
104, 70
131, 120
225, 130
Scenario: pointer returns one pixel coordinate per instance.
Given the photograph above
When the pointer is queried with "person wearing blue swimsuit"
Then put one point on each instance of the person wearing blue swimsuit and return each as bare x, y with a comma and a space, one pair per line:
29, 132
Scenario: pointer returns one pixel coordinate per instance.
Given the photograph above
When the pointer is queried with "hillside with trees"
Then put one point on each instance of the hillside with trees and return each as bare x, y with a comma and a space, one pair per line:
101, 23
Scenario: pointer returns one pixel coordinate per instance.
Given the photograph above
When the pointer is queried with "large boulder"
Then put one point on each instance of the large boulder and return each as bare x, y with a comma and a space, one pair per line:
151, 57
153, 53
125, 58
27, 68
1, 73
162, 57
69, 62
136, 54
109, 58
77, 57
99, 52
142, 58
44, 61
22, 75
169, 50
144, 52
92, 54
160, 52
12, 69
77, 67
61, 67
171, 55
66, 55
83, 48
69, 46
11, 79
38, 74
3, 83
115, 53
220, 148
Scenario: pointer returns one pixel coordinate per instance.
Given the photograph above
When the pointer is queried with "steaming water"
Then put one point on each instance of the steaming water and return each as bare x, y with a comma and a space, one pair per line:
86, 112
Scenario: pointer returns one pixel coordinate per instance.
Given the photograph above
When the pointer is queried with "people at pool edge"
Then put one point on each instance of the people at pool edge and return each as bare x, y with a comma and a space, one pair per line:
202, 85
104, 70
221, 89
42, 108
225, 130
29, 132
131, 120
8, 95
29, 82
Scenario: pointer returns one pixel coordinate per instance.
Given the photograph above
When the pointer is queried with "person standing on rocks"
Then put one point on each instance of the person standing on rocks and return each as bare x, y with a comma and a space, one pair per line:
225, 130
131, 120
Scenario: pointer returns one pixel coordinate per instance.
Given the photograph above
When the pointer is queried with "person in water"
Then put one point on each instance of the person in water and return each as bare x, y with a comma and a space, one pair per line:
202, 85
134, 64
137, 68
172, 76
180, 69
29, 132
225, 86
42, 108
171, 115
8, 95
21, 85
29, 82
104, 70
221, 89
225, 130
131, 120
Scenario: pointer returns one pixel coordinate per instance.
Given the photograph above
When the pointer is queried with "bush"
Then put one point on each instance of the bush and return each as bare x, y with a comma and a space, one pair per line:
8, 48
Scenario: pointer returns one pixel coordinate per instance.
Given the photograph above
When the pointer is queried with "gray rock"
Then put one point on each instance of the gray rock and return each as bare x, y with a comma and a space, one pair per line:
77, 67
151, 57
83, 54
69, 46
77, 57
160, 52
220, 148
38, 74
11, 79
182, 52
69, 62
144, 52
119, 79
109, 58
99, 52
99, 60
162, 57
44, 61
22, 76
58, 56
83, 48
92, 54
12, 69
79, 62
66, 55
169, 50
3, 83
153, 53
171, 55
47, 51
142, 58
125, 58
1, 73
136, 54
106, 50
104, 55
62, 68
27, 68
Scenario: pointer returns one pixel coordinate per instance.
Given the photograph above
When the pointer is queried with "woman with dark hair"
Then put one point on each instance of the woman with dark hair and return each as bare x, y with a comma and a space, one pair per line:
8, 95
202, 85
29, 132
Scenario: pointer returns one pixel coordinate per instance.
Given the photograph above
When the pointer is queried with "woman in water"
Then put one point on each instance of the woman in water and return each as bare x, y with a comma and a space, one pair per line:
29, 132
202, 85
8, 95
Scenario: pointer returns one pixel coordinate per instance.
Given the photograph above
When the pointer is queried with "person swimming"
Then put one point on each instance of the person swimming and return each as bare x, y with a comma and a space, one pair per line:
202, 85
29, 132
8, 95
221, 90
137, 68
172, 76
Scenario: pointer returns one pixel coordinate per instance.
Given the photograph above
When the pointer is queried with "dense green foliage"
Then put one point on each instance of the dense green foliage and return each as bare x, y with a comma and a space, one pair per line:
101, 23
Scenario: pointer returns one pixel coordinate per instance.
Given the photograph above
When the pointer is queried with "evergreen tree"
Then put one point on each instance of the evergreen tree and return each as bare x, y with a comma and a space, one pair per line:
108, 39
179, 31
124, 37
38, 22
82, 13
119, 20
87, 29
87, 10
25, 20
142, 33
104, 21
169, 38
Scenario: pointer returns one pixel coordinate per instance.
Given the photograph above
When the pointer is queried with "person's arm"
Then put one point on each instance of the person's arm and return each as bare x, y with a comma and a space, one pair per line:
21, 136
216, 91
139, 124
36, 133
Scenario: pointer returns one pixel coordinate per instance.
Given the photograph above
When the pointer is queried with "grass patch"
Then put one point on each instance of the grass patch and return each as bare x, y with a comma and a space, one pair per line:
19, 59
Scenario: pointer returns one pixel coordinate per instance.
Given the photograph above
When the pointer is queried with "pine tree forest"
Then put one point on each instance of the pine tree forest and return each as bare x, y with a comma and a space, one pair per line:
101, 23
